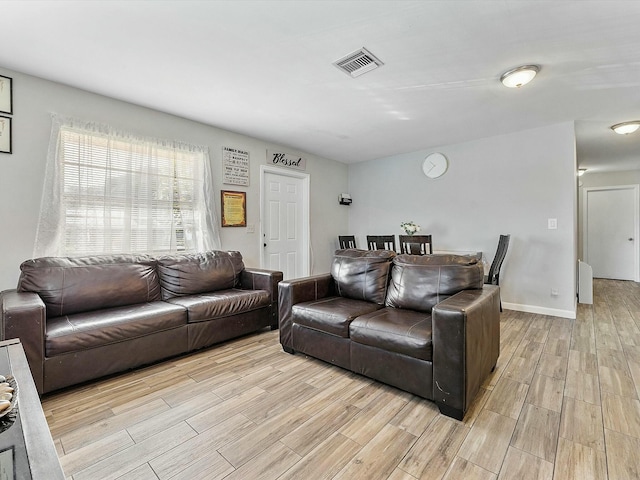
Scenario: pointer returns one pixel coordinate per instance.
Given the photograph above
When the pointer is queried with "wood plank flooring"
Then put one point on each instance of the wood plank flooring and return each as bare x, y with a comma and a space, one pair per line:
562, 404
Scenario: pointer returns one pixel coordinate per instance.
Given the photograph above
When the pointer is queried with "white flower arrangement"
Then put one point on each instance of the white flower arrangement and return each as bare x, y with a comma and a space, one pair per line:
410, 227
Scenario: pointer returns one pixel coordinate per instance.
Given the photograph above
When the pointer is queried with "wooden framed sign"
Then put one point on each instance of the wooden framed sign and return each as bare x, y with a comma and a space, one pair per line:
234, 208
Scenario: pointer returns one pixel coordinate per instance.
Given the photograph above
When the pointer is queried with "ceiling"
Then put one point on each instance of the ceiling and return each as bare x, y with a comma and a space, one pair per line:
264, 68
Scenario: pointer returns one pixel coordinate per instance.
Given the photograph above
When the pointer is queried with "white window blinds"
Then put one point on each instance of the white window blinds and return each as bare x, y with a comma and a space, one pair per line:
112, 192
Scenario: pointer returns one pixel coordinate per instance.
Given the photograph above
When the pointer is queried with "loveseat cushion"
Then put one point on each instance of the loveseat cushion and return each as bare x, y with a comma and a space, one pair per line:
190, 274
82, 331
420, 282
401, 331
362, 274
331, 315
207, 306
73, 285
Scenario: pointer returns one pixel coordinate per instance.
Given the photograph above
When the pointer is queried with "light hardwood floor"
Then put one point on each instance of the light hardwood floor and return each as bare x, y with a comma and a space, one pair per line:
562, 404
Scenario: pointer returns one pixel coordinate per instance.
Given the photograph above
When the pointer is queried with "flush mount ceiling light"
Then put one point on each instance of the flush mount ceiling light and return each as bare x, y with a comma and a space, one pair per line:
519, 76
625, 128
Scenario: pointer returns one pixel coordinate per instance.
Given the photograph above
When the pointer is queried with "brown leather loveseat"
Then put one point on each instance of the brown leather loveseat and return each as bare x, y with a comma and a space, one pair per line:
82, 318
424, 324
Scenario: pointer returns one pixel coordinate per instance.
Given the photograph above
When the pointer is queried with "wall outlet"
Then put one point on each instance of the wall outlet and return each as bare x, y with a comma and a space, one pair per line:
554, 292
552, 223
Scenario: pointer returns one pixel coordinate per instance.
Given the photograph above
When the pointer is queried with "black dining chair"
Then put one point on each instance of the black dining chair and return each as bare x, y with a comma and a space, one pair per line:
493, 278
416, 244
381, 242
347, 241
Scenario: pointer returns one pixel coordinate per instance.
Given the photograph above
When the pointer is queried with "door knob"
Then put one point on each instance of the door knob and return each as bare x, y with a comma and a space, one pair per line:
264, 244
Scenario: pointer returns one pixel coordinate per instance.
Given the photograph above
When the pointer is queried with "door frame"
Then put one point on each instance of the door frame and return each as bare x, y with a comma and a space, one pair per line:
636, 217
305, 227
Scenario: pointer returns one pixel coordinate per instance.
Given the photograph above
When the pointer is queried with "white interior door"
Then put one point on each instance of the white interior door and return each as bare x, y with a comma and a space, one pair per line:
611, 231
285, 221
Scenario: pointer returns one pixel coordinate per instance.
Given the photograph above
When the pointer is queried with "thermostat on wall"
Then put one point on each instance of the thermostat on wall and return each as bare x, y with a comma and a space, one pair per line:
344, 199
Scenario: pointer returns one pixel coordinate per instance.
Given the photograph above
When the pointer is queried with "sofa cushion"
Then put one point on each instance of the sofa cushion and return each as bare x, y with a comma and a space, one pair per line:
331, 314
73, 285
190, 274
207, 306
362, 274
71, 333
420, 282
391, 329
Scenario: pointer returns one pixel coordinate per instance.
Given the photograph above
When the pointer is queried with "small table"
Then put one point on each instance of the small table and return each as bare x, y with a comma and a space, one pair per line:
26, 447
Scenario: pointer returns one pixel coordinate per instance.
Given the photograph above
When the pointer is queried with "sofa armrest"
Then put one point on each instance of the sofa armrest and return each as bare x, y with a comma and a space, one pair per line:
466, 346
24, 317
300, 290
261, 279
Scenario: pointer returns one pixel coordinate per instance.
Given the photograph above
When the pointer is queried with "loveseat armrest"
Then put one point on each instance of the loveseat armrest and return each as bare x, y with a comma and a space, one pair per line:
466, 346
24, 317
261, 279
300, 290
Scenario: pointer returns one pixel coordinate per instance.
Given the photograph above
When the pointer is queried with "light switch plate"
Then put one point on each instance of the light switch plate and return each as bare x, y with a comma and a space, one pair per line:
552, 223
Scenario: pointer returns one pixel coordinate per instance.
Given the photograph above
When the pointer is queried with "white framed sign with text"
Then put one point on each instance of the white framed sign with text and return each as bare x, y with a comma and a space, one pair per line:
235, 166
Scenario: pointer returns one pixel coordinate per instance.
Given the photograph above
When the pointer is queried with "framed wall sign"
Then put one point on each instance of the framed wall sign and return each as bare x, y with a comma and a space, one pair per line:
6, 95
235, 167
5, 134
234, 209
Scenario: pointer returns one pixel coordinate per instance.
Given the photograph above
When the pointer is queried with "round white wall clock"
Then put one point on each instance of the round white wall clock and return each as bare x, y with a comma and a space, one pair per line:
435, 165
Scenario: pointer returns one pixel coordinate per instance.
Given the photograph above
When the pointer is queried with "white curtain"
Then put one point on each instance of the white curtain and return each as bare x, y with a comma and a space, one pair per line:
108, 191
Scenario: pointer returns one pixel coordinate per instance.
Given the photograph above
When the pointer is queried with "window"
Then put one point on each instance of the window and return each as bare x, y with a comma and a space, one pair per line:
112, 192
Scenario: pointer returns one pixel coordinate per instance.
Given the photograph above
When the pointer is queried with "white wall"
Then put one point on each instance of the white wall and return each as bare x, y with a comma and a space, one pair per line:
506, 184
22, 173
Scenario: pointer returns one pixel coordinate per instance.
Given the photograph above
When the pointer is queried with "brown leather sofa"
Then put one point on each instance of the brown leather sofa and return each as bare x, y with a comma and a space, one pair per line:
424, 324
82, 318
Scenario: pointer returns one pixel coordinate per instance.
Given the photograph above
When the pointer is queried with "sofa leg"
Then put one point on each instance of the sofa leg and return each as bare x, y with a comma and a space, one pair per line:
450, 411
289, 350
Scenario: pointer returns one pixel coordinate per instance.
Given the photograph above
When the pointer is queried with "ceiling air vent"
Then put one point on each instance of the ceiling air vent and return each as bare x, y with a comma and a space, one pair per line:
359, 62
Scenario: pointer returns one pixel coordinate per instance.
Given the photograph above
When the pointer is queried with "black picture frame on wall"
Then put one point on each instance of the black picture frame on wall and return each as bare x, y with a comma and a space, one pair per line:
6, 95
5, 134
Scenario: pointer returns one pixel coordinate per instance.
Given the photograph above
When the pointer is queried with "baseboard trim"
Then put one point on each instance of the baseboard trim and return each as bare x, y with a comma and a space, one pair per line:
554, 312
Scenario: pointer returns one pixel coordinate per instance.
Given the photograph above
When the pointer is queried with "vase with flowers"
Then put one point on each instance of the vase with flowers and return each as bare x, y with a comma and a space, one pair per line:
410, 228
